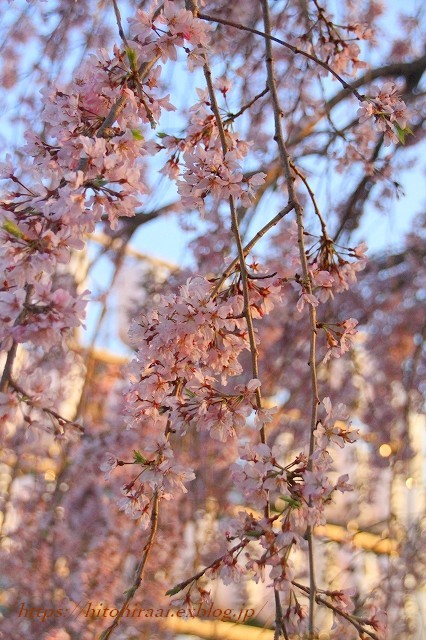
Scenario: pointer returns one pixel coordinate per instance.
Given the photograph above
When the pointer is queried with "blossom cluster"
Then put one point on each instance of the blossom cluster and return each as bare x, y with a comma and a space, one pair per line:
188, 349
158, 34
87, 167
305, 488
388, 110
339, 337
332, 269
302, 490
198, 164
263, 546
158, 474
339, 50
185, 347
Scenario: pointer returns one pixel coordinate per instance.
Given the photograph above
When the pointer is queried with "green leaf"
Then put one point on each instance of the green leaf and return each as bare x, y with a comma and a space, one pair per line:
174, 591
161, 134
292, 502
99, 182
138, 457
402, 133
137, 134
131, 54
13, 229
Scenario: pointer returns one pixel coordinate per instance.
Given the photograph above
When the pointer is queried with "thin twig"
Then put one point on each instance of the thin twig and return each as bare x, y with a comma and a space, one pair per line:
317, 210
279, 620
285, 162
358, 626
135, 70
11, 355
289, 46
244, 275
26, 397
233, 116
241, 258
182, 585
147, 548
119, 24
249, 246
139, 569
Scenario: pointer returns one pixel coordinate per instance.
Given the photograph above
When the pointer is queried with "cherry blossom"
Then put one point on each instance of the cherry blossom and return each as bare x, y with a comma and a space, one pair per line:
388, 110
209, 457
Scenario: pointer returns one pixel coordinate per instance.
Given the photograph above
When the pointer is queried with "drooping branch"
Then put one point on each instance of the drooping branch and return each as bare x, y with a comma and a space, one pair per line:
29, 400
286, 166
241, 260
11, 354
287, 45
351, 619
140, 569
